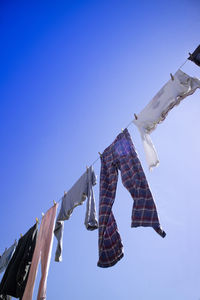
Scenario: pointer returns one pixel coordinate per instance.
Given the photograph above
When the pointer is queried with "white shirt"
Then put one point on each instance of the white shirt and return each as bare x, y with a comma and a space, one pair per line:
157, 109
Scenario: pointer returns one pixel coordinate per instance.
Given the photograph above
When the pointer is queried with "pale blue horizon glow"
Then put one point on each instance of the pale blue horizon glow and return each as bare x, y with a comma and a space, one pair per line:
73, 73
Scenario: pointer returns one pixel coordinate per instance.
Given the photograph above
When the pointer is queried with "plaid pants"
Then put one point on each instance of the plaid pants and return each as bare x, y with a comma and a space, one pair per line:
121, 155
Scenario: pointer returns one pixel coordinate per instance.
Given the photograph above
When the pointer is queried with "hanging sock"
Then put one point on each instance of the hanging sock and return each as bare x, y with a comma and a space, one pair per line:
121, 155
6, 257
195, 56
15, 277
81, 190
170, 95
42, 251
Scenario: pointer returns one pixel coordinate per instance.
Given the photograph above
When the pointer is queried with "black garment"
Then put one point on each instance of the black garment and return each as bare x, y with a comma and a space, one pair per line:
15, 277
195, 56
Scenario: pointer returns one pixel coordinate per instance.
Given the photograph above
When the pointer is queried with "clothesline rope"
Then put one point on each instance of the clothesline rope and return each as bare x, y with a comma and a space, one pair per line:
96, 159
59, 200
99, 156
183, 64
94, 162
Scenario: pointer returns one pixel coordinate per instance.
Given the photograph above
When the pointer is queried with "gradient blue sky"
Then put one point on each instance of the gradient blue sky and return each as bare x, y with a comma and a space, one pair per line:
72, 74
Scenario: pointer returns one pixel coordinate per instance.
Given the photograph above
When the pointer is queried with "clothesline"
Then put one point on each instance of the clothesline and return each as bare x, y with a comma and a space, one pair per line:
135, 116
176, 89
126, 126
183, 64
60, 199
132, 121
93, 163
99, 156
106, 258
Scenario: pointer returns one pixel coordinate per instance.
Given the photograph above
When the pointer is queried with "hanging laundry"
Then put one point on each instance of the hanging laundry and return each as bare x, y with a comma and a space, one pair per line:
15, 277
195, 56
6, 256
42, 251
171, 94
74, 197
121, 155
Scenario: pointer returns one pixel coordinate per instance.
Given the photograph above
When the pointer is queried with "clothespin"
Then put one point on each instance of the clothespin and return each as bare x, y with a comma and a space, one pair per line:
42, 214
21, 235
122, 130
54, 202
65, 193
87, 168
100, 154
37, 220
172, 77
136, 117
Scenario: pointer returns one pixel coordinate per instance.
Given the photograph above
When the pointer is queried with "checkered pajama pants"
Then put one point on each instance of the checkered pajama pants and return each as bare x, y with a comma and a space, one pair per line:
121, 155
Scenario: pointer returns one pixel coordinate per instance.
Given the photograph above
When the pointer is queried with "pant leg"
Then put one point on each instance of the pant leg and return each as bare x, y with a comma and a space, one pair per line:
28, 292
144, 211
110, 246
47, 239
44, 247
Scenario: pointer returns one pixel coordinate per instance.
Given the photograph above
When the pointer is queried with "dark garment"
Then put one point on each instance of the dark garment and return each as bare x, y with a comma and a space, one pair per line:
121, 155
195, 56
15, 277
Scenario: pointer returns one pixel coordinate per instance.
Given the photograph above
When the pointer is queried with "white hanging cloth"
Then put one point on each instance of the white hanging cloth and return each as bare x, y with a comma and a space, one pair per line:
176, 89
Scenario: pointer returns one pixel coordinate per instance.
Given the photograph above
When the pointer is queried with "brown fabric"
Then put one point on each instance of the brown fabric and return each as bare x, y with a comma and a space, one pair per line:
42, 251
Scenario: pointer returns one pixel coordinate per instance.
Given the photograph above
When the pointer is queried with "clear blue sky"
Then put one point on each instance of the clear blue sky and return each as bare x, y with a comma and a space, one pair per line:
72, 74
